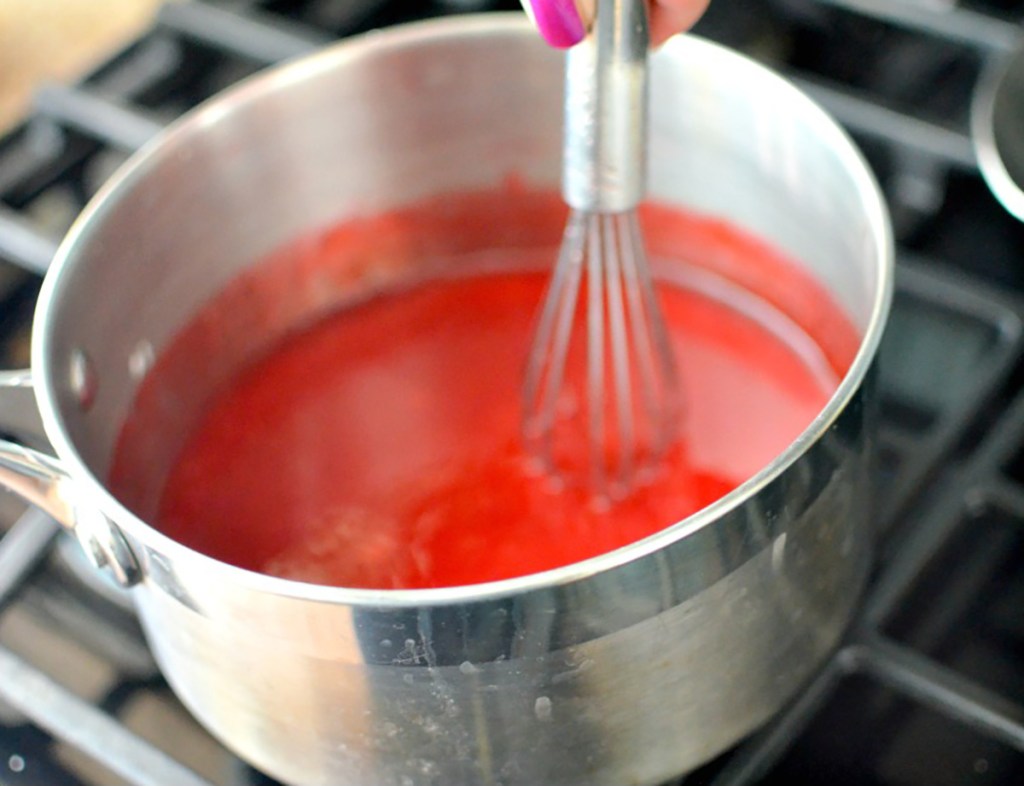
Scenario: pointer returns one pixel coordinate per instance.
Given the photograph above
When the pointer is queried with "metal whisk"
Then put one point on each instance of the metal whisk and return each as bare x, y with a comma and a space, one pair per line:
601, 369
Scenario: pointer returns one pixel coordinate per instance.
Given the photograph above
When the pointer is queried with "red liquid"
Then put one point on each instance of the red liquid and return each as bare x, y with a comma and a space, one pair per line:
379, 446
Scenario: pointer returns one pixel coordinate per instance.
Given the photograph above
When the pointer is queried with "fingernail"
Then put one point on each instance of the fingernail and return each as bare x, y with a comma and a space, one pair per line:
558, 21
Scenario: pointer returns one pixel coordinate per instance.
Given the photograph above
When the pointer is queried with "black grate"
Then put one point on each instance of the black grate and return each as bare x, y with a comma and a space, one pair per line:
928, 689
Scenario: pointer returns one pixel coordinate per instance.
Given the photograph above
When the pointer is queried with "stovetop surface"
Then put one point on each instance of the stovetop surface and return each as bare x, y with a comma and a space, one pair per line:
928, 689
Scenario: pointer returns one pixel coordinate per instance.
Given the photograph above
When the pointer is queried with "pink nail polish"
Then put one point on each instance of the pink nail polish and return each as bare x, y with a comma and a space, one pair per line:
558, 21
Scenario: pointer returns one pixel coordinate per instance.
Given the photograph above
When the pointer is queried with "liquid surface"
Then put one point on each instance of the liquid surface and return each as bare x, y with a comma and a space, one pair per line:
378, 445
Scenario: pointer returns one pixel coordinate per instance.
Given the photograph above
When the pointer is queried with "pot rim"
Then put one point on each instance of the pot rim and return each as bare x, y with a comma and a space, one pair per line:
412, 35
991, 84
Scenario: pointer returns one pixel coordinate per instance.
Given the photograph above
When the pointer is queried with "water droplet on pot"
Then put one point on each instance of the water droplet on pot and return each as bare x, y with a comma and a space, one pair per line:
82, 379
141, 359
429, 768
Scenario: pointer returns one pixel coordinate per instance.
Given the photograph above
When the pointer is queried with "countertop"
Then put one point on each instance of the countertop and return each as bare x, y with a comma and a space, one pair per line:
58, 40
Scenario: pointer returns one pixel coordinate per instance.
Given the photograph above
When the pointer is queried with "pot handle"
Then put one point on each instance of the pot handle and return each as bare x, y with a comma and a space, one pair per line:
40, 480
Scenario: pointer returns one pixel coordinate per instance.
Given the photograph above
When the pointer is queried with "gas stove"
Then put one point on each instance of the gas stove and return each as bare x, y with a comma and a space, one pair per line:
928, 687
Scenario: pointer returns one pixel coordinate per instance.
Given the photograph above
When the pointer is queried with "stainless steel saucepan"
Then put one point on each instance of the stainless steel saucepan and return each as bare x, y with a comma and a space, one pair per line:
631, 667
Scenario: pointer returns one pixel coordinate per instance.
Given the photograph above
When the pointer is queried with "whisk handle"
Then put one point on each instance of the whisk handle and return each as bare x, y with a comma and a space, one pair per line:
605, 143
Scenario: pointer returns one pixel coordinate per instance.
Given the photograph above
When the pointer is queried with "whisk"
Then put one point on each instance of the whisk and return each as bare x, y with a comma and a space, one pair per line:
601, 370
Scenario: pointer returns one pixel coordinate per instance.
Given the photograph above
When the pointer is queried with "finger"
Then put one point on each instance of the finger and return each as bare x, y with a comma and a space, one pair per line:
669, 17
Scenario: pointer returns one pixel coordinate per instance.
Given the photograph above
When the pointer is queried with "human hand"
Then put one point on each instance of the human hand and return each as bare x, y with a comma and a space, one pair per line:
564, 23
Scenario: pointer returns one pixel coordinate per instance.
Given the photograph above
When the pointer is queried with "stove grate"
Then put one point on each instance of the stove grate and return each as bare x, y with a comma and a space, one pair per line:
928, 687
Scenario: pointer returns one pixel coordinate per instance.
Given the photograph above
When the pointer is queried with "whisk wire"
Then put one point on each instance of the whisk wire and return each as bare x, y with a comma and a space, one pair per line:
546, 369
638, 297
665, 375
622, 403
620, 343
595, 355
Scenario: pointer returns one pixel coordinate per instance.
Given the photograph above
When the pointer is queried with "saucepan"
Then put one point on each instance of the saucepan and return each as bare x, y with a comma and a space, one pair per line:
631, 667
